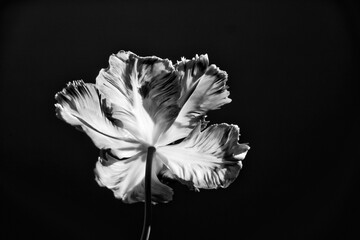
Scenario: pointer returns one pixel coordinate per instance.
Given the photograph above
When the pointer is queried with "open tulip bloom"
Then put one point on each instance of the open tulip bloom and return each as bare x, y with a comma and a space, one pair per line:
147, 117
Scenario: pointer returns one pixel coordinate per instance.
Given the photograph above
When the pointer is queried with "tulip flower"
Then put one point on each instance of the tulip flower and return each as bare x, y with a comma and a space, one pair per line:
147, 117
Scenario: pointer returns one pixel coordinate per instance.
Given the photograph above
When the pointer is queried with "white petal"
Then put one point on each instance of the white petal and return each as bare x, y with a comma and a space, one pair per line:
126, 178
142, 91
190, 72
208, 159
79, 104
203, 89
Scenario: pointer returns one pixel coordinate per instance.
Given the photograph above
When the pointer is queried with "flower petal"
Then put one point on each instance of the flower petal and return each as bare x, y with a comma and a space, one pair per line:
79, 104
190, 72
142, 91
206, 159
126, 178
203, 89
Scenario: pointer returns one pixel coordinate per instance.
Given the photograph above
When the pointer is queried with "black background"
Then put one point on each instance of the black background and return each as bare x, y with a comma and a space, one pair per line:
293, 70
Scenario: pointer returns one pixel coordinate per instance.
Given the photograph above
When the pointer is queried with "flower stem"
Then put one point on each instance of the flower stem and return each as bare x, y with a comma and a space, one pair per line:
147, 215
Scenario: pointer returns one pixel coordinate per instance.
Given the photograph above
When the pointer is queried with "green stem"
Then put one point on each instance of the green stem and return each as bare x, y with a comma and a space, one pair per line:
147, 215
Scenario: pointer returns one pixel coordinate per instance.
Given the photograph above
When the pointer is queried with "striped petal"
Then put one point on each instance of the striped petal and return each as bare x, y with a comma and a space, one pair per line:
142, 92
126, 178
205, 159
203, 88
190, 72
80, 105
